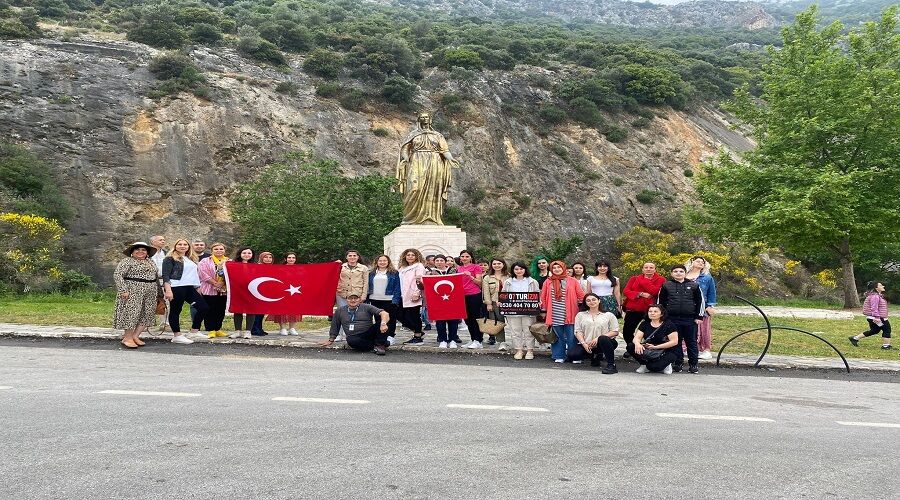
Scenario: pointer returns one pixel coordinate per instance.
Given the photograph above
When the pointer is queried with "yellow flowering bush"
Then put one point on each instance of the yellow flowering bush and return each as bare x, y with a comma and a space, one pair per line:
30, 249
734, 268
790, 267
827, 278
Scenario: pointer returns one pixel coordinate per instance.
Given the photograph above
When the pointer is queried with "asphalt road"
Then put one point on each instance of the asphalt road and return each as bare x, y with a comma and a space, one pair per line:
255, 423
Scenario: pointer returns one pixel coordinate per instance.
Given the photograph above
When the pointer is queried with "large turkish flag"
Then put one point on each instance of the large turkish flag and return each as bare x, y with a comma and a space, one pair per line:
444, 297
282, 289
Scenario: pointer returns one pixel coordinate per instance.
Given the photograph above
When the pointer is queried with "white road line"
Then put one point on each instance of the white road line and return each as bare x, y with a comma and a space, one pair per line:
5, 387
324, 400
714, 417
498, 407
868, 424
152, 393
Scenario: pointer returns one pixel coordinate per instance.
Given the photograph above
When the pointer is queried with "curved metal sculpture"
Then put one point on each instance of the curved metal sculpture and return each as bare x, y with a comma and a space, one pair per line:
769, 327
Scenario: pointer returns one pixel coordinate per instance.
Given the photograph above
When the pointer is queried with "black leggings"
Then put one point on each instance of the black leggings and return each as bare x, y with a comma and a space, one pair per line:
473, 314
655, 365
606, 347
632, 320
189, 294
885, 328
411, 317
216, 314
392, 311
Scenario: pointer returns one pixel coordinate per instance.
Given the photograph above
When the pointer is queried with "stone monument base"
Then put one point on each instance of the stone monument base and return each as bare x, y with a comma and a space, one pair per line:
428, 239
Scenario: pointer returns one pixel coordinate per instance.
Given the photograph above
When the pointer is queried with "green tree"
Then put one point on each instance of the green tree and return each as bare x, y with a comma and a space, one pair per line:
157, 28
27, 185
304, 204
825, 174
205, 33
463, 58
651, 85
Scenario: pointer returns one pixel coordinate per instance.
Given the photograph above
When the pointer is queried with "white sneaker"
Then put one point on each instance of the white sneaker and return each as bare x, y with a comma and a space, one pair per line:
293, 331
643, 369
248, 335
474, 345
452, 344
462, 327
198, 335
705, 355
576, 362
668, 369
390, 341
181, 339
559, 361
442, 345
339, 338
235, 335
503, 346
283, 332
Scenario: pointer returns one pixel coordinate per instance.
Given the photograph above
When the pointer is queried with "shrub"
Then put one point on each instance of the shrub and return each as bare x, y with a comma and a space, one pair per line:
328, 89
178, 74
30, 251
381, 132
261, 50
354, 100
205, 33
157, 28
648, 197
616, 134
617, 181
651, 85
19, 25
74, 281
552, 114
688, 172
398, 90
463, 58
585, 111
324, 63
287, 88
640, 122
325, 209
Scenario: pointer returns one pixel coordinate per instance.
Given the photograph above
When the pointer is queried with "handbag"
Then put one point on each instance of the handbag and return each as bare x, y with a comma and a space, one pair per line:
542, 333
160, 306
490, 326
651, 354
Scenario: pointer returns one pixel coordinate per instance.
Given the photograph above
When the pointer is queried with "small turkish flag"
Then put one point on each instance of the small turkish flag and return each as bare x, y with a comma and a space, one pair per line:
282, 289
444, 297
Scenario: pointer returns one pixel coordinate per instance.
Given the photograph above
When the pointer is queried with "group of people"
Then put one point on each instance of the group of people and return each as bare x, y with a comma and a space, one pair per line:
662, 319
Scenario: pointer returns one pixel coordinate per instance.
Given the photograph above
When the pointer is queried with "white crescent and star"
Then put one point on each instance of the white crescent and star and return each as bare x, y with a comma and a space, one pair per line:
253, 287
444, 282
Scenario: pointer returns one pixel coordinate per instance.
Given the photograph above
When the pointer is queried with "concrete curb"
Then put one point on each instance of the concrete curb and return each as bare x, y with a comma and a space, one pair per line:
309, 339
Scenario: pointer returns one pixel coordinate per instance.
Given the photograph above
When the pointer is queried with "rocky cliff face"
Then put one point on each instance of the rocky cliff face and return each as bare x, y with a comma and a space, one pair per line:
693, 14
133, 167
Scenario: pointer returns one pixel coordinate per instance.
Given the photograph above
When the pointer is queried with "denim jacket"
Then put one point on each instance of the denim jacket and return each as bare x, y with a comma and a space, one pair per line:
708, 288
171, 269
393, 285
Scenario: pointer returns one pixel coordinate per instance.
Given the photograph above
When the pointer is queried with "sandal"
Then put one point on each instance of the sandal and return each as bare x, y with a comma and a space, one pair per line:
139, 342
129, 344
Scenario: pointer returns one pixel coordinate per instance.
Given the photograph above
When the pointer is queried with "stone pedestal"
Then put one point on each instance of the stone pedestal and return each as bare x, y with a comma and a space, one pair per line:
428, 239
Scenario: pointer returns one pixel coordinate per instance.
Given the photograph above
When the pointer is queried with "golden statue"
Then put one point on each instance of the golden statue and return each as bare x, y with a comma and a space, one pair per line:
424, 174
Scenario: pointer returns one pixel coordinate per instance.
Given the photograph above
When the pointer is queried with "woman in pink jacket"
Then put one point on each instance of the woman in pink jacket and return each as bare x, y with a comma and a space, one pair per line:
411, 269
560, 297
875, 309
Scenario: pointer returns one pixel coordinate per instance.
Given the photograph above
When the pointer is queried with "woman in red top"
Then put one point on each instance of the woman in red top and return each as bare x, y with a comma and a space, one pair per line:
472, 290
640, 293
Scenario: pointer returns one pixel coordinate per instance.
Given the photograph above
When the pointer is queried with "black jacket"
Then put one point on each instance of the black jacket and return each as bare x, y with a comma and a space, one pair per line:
172, 269
681, 299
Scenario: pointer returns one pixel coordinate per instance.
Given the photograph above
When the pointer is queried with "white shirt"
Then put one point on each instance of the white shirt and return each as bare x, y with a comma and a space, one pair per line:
190, 276
516, 285
600, 287
379, 286
157, 259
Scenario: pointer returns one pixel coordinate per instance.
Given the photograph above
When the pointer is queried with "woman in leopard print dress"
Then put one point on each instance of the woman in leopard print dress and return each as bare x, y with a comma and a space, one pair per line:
137, 290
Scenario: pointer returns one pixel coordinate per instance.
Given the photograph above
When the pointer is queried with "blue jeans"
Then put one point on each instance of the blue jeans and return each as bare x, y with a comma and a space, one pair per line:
565, 339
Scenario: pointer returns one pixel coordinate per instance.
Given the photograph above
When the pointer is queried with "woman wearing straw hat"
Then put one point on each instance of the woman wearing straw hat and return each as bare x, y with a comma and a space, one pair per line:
137, 290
